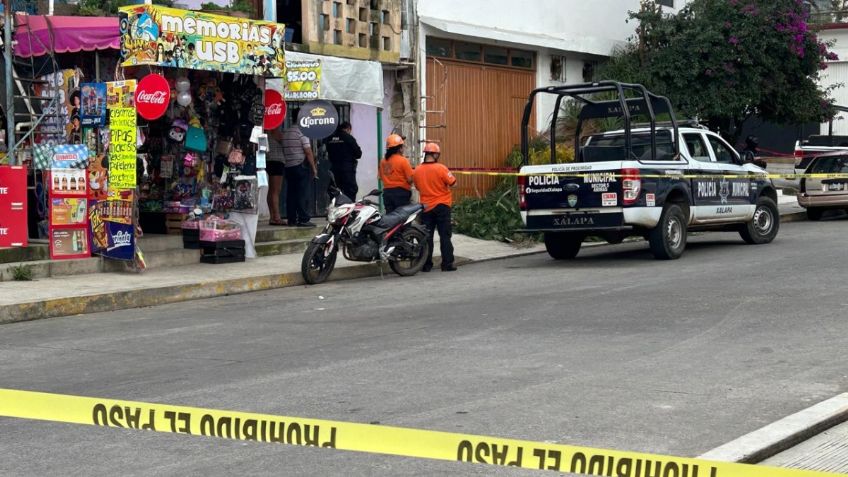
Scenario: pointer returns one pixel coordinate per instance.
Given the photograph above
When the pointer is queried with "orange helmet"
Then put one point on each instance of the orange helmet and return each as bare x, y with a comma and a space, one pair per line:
394, 140
432, 148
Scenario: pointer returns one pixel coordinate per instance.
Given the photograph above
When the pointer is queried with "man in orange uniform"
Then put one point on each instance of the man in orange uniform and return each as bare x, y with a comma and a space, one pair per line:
433, 181
396, 174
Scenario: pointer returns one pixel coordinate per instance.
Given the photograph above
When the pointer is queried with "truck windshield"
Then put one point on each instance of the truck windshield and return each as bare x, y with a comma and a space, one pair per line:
611, 147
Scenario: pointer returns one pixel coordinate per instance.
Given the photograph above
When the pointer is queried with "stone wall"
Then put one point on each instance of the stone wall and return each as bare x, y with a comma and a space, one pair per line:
361, 29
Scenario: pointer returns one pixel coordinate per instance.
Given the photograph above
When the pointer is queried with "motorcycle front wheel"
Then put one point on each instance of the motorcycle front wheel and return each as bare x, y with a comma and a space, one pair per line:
318, 263
415, 250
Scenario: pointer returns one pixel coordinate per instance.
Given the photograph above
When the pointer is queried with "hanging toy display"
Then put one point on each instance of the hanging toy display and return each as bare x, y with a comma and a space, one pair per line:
182, 84
178, 131
184, 98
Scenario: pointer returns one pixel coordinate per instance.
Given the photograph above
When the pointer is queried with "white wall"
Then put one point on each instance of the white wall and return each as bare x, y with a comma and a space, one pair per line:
363, 118
573, 74
580, 30
594, 26
836, 73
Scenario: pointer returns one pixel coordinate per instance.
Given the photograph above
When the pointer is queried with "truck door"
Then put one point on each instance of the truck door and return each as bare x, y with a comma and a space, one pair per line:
736, 199
705, 188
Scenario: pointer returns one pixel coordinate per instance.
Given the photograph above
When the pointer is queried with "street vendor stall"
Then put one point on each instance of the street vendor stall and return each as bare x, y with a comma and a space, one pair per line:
202, 104
55, 57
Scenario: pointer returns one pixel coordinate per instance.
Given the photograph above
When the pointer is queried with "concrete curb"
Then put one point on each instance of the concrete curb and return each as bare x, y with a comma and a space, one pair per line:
781, 435
793, 217
143, 297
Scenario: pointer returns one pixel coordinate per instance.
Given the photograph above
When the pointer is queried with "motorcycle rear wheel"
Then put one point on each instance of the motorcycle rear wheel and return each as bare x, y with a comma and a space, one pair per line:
416, 241
316, 265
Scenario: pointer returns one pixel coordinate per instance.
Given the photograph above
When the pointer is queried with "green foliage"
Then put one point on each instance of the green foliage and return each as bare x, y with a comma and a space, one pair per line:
22, 273
725, 60
829, 11
540, 153
495, 216
243, 6
492, 217
99, 8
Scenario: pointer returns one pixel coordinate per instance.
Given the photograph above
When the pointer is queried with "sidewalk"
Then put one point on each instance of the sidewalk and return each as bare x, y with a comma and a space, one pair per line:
92, 293
811, 439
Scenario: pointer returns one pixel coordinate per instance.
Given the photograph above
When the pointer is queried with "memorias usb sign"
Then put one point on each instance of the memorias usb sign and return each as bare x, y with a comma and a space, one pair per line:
318, 119
275, 109
152, 96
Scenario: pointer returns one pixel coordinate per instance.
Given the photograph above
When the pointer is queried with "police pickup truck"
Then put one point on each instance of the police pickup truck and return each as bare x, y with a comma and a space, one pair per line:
658, 182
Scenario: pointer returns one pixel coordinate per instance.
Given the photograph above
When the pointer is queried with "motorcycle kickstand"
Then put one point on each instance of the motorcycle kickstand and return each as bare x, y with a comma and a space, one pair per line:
384, 259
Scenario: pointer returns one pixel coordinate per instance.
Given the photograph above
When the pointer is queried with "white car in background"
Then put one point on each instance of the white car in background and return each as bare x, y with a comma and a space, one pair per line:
820, 195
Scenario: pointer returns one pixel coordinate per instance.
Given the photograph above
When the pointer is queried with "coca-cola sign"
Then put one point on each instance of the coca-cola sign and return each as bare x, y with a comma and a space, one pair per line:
275, 109
152, 96
157, 97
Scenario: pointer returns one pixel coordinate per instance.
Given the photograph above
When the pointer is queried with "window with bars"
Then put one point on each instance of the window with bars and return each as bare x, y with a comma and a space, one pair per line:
558, 64
479, 53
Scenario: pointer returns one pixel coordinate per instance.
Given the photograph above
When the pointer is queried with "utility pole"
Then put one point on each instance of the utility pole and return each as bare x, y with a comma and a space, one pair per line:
10, 98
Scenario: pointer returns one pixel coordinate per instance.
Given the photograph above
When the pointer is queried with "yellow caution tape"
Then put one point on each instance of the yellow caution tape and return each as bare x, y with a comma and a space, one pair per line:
376, 439
840, 175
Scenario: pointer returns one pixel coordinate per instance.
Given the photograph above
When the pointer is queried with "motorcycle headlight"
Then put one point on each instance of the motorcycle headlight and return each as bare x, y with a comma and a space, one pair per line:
334, 214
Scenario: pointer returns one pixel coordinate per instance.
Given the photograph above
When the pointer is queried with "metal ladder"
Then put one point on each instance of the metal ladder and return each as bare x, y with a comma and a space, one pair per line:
40, 102
35, 103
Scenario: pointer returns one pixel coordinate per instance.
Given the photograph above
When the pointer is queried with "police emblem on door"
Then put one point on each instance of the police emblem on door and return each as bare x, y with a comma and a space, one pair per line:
723, 190
572, 200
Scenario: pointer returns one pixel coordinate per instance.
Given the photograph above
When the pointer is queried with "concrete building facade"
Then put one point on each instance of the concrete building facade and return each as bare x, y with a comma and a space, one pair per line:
478, 60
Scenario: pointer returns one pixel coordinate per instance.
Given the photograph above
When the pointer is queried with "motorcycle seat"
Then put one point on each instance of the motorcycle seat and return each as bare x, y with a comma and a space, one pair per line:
398, 215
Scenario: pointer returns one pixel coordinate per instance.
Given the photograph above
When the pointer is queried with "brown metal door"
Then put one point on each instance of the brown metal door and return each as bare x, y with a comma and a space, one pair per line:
474, 111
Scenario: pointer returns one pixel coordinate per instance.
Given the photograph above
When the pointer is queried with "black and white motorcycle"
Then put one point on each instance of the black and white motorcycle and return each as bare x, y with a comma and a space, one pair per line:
364, 235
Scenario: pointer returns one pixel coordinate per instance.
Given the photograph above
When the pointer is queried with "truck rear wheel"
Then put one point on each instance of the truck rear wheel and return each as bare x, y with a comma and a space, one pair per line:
668, 238
563, 245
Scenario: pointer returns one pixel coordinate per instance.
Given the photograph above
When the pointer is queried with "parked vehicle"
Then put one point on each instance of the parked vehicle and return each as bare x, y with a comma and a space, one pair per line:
658, 182
807, 149
364, 235
818, 195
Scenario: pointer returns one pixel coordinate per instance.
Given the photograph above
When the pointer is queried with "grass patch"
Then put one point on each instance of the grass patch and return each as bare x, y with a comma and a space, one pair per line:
22, 273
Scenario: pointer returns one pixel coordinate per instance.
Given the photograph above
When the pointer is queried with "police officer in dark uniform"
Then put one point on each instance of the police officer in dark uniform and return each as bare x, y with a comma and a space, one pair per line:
751, 153
344, 152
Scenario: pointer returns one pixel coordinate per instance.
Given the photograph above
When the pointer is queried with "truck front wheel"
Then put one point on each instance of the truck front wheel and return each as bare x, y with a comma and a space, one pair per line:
764, 225
668, 238
563, 245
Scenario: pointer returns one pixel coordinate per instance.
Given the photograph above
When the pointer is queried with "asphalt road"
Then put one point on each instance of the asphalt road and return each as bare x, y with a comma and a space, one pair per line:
613, 350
